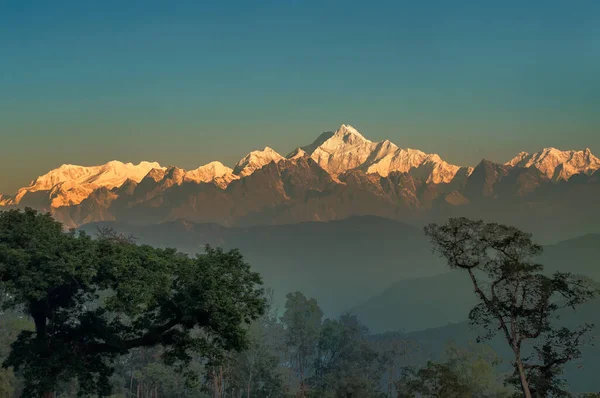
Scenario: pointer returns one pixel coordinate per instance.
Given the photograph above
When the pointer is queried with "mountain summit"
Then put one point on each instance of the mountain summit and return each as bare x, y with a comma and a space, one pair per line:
341, 151
213, 171
558, 165
256, 160
346, 149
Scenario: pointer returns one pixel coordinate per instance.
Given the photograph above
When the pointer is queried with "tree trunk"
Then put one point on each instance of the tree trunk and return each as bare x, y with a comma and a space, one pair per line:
131, 380
51, 394
523, 378
301, 378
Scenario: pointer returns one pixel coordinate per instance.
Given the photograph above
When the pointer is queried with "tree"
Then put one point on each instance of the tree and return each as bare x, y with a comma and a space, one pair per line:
7, 383
93, 300
516, 298
346, 364
256, 371
395, 350
302, 321
11, 324
463, 374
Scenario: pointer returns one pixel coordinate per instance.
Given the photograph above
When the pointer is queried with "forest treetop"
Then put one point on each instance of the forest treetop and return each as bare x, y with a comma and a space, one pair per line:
94, 299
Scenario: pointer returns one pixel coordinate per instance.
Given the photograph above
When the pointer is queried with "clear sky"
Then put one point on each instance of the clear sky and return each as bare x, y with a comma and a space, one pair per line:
187, 82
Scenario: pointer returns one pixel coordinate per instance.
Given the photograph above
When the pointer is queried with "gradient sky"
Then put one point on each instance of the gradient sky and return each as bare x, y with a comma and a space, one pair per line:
187, 82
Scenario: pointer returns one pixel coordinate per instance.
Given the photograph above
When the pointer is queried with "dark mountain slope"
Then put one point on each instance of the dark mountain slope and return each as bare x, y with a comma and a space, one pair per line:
447, 298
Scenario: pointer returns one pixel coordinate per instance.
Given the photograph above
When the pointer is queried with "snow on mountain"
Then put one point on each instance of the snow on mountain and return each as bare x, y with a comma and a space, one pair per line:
429, 167
517, 159
556, 164
335, 152
213, 171
256, 160
156, 174
297, 154
344, 150
70, 184
347, 149
5, 200
173, 176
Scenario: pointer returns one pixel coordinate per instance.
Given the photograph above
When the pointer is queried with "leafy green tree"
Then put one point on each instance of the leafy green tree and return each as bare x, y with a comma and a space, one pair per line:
11, 324
462, 374
302, 321
516, 298
7, 383
396, 352
142, 374
257, 371
434, 380
94, 300
346, 364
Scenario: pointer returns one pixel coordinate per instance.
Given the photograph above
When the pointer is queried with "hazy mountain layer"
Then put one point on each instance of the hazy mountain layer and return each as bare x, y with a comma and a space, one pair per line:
341, 263
382, 269
429, 302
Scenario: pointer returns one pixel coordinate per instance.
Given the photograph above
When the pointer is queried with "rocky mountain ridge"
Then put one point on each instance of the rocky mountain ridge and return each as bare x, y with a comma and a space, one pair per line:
341, 174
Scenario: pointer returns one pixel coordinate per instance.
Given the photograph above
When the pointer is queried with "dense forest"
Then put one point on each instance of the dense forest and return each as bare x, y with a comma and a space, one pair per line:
106, 316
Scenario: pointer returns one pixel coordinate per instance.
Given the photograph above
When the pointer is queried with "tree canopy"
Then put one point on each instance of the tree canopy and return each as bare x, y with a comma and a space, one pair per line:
92, 300
516, 298
462, 374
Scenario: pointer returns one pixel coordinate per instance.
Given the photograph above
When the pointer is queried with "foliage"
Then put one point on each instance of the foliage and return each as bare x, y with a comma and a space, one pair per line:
302, 322
256, 371
149, 297
516, 298
346, 365
7, 383
463, 374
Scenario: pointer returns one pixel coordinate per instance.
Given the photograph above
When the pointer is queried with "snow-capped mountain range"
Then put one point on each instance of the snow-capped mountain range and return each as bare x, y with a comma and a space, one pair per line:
70, 184
335, 152
347, 149
341, 174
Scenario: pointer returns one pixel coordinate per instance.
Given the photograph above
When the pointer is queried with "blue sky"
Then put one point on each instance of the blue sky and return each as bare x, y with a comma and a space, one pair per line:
187, 82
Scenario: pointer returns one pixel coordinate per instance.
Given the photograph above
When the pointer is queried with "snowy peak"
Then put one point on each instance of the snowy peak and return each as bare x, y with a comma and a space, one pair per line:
347, 149
208, 172
349, 135
5, 200
174, 175
213, 171
256, 160
556, 164
343, 150
111, 174
397, 159
517, 159
297, 154
156, 174
70, 184
429, 167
